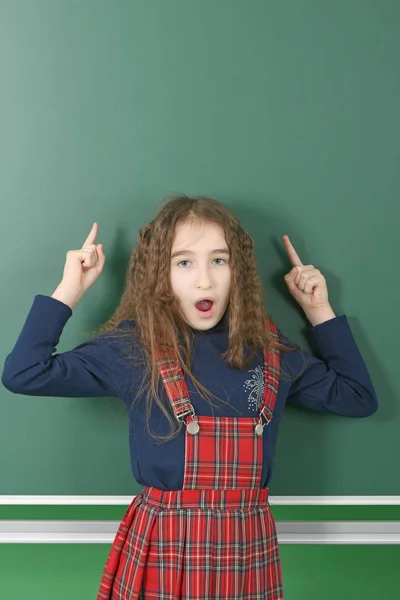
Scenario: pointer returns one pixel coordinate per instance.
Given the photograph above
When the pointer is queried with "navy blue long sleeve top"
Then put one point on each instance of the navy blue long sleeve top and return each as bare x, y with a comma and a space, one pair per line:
338, 383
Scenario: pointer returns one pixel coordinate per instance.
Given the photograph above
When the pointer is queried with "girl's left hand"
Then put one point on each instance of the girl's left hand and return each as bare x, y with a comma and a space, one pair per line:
306, 283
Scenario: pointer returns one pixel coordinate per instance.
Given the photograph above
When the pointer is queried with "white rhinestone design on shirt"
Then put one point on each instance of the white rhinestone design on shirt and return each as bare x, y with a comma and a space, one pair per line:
256, 385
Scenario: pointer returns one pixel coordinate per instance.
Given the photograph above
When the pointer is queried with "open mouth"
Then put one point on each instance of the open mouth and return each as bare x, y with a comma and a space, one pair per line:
205, 307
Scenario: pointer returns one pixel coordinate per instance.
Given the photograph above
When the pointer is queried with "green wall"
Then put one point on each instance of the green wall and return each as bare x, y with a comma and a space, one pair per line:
288, 112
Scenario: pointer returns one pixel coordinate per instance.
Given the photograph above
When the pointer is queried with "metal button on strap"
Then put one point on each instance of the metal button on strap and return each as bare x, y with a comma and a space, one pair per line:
259, 428
193, 427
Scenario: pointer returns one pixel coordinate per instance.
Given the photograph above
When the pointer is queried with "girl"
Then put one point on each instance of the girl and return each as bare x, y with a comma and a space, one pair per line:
192, 325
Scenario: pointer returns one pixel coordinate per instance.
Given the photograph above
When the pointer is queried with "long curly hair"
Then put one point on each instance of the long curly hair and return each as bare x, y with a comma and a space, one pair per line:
157, 322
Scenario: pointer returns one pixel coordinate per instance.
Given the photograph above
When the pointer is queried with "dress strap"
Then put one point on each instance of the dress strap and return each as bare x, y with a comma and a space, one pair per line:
272, 361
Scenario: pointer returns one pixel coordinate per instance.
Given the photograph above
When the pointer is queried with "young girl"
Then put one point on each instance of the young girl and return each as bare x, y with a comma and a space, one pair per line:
192, 325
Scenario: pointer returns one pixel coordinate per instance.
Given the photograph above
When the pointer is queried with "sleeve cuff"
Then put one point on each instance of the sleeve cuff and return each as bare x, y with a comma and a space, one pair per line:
334, 334
48, 315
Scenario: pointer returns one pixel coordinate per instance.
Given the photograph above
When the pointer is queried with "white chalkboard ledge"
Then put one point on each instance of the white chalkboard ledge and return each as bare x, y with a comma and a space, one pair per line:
289, 532
273, 500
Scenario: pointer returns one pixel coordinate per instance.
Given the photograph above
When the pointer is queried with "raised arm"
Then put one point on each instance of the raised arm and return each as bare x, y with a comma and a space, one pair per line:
93, 368
339, 381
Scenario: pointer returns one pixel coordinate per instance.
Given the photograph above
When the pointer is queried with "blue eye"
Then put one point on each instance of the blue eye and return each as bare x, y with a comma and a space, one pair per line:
185, 261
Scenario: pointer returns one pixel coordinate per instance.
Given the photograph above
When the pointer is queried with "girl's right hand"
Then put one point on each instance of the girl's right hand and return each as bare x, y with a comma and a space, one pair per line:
83, 267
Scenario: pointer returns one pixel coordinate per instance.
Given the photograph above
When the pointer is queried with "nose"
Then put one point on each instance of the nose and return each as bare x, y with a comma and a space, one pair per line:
204, 279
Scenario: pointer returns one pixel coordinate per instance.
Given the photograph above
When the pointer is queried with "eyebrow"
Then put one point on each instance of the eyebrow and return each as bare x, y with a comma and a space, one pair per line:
218, 250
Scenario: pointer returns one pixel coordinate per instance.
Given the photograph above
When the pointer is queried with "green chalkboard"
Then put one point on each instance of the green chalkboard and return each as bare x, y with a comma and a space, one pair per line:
288, 113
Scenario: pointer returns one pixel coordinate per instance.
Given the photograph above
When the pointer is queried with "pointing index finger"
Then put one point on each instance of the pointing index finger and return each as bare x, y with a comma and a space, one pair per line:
92, 235
294, 257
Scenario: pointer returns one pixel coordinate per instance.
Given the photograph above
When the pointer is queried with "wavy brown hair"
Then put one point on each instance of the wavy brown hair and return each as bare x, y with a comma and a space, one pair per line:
157, 321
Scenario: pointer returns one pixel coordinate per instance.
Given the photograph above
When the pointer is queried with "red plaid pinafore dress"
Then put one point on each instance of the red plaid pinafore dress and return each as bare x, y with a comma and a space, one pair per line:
215, 537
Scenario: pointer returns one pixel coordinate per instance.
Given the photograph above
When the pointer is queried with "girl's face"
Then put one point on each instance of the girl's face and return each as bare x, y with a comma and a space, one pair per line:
200, 268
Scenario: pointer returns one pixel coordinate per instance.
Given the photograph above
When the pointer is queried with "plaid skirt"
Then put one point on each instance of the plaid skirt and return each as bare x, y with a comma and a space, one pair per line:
195, 544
